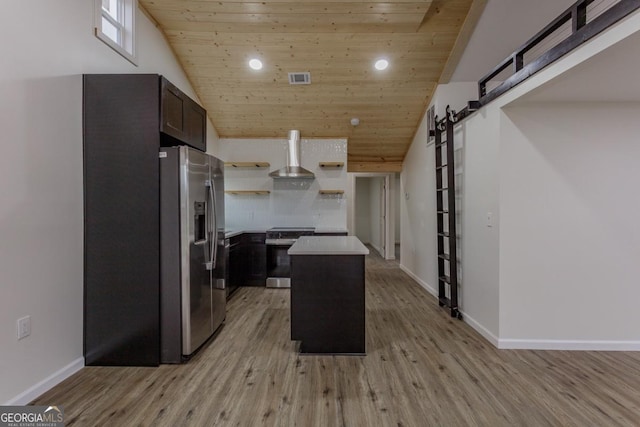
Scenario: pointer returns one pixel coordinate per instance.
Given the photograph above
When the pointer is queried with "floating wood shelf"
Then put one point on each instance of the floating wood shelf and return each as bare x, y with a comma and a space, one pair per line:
331, 191
247, 164
248, 192
335, 165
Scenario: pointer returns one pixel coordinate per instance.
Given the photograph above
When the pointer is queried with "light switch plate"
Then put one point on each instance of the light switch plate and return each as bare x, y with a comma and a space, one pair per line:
24, 327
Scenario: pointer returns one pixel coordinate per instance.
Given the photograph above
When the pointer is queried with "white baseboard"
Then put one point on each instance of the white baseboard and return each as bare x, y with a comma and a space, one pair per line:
486, 334
419, 281
581, 345
467, 319
522, 344
46, 384
378, 249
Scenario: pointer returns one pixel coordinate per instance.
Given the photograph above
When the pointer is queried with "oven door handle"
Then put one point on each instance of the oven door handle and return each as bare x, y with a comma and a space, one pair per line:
280, 242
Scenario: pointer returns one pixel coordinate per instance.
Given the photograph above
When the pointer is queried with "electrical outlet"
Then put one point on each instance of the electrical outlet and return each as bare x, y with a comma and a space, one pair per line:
24, 327
489, 219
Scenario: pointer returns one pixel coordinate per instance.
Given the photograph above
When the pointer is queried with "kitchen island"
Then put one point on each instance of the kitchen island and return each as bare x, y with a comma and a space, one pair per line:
327, 294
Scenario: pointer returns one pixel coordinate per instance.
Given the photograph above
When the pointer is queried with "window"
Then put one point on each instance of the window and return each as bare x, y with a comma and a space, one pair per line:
431, 124
115, 25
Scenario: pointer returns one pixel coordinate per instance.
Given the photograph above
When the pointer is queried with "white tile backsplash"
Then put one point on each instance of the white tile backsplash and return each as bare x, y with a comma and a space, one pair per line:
292, 202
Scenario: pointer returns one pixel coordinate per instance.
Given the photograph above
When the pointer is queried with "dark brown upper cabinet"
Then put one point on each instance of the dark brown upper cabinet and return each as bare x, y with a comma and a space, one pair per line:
183, 121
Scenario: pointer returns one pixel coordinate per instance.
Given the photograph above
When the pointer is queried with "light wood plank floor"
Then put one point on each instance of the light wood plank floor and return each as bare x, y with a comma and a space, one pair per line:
422, 369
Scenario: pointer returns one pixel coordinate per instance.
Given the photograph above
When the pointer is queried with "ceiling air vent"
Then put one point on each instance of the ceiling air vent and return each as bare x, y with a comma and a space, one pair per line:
299, 78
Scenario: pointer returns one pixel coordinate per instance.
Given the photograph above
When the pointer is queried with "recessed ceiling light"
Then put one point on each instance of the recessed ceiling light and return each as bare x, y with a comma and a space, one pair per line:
255, 64
381, 64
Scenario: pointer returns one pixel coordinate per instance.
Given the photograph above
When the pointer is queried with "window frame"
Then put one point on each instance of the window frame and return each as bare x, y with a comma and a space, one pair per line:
124, 25
431, 117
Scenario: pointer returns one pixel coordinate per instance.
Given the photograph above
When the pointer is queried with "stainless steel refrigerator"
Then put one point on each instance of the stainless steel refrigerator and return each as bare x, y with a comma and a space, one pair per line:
193, 296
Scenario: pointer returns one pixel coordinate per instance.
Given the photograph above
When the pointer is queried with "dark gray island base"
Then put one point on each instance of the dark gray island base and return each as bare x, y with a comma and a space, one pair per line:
327, 294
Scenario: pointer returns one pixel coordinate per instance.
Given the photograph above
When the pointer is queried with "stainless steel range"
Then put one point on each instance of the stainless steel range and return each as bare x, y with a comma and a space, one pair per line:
278, 241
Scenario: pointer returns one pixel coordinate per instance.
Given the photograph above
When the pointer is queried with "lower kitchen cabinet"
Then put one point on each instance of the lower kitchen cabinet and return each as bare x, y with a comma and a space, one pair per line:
247, 261
235, 271
254, 259
328, 303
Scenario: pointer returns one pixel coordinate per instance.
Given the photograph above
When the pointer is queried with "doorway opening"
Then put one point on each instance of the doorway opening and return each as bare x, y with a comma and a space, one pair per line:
372, 211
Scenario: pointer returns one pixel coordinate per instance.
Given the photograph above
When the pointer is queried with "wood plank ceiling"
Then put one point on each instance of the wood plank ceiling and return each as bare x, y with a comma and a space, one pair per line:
338, 43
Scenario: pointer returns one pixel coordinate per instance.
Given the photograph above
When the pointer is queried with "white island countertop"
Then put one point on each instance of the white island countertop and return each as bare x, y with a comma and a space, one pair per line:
328, 245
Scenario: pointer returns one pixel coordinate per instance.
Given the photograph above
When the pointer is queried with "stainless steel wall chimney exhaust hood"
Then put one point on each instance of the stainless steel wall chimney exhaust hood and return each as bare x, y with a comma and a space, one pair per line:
293, 168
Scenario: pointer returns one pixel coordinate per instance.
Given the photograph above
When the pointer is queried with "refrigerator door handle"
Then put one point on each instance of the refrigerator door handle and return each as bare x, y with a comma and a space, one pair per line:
211, 263
214, 240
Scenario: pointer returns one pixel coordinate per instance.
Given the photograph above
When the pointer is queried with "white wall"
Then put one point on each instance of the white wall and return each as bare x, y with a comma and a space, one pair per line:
479, 292
418, 252
363, 215
476, 153
502, 28
290, 202
527, 143
368, 210
375, 214
558, 180
570, 236
46, 48
375, 179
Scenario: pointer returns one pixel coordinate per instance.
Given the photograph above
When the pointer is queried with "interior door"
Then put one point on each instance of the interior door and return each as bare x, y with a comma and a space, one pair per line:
195, 242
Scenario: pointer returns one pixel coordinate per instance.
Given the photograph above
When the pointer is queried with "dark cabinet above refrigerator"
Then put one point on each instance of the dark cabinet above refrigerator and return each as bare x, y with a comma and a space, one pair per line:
182, 120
